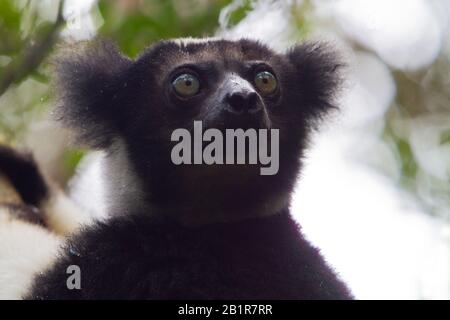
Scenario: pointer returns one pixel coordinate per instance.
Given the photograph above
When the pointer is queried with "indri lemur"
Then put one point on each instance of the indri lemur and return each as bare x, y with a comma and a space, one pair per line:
193, 231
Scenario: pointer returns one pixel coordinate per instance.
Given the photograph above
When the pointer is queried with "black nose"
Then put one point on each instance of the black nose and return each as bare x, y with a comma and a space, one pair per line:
242, 102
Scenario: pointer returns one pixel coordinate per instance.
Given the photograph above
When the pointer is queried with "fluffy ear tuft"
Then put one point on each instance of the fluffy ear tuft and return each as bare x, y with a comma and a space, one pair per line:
319, 76
89, 79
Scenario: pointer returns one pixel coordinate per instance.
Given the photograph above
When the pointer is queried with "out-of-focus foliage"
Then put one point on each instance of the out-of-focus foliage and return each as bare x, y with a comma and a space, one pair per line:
10, 18
136, 24
419, 125
26, 42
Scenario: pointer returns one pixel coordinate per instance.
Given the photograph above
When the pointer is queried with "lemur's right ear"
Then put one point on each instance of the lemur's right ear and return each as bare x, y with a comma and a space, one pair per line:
91, 87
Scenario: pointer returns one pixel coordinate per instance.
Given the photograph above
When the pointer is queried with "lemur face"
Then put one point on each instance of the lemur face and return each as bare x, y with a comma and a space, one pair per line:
225, 85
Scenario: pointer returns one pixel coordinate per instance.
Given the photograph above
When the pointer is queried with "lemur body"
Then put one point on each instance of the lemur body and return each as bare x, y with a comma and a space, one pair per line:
193, 232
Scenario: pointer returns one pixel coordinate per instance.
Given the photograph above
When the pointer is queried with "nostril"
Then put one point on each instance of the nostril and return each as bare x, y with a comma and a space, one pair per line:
236, 101
242, 101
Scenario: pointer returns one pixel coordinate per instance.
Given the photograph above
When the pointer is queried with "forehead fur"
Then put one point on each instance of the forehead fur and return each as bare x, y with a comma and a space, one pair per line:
170, 53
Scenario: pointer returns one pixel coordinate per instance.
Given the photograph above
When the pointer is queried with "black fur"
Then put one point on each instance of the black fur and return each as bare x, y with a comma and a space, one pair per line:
89, 81
140, 258
319, 72
24, 174
157, 250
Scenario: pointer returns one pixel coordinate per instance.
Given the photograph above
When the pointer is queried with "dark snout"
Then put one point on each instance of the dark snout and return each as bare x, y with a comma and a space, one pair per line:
237, 105
242, 101
239, 97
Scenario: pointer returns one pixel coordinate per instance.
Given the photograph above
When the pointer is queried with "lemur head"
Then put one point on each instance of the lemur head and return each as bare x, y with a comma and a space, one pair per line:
131, 108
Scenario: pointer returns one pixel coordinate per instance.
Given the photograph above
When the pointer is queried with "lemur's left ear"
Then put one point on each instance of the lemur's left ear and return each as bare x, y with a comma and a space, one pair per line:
91, 86
318, 72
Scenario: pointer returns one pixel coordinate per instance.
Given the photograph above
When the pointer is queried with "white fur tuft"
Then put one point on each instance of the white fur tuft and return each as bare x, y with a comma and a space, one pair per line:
25, 250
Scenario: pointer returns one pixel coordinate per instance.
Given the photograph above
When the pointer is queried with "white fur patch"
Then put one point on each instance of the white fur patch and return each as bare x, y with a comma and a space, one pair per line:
190, 40
25, 249
124, 193
87, 187
62, 215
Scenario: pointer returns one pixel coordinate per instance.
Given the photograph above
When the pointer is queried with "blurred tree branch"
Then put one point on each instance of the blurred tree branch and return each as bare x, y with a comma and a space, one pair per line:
33, 53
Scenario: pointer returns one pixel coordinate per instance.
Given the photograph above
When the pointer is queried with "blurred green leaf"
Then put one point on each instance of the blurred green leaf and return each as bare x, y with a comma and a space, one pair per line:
72, 158
10, 18
136, 28
408, 162
445, 137
32, 53
301, 15
239, 13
